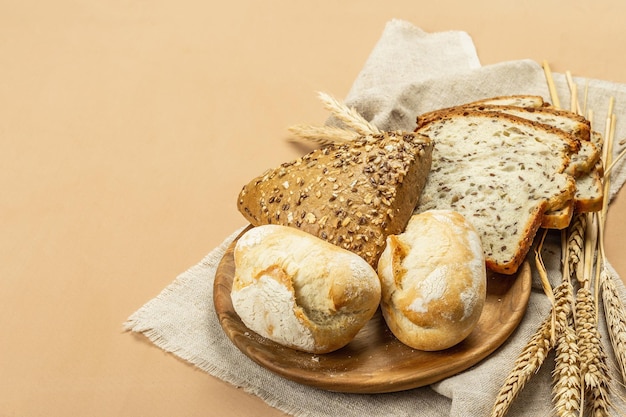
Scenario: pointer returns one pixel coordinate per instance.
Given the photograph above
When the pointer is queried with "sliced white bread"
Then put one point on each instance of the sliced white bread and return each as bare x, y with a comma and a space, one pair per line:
583, 163
588, 198
503, 173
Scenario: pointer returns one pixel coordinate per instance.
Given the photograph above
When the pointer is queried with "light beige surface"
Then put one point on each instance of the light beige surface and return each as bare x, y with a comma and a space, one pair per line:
126, 131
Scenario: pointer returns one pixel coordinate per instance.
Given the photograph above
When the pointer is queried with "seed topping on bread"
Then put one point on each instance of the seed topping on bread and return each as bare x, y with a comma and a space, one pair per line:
351, 194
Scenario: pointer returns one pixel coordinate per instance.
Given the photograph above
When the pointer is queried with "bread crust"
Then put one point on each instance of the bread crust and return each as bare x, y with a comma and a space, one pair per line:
350, 194
576, 125
571, 143
433, 281
300, 291
520, 100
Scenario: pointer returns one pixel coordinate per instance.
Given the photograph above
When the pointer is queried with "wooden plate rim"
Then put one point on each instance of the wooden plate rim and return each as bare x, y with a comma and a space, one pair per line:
508, 295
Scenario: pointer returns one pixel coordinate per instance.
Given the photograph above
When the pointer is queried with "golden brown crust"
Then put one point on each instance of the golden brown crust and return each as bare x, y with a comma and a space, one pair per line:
301, 291
522, 100
353, 194
525, 244
573, 145
433, 280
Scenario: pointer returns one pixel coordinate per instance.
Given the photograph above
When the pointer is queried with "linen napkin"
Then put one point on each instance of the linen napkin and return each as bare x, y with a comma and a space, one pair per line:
408, 72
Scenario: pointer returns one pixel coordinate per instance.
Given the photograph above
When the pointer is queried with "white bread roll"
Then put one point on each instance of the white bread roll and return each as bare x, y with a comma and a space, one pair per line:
433, 279
301, 291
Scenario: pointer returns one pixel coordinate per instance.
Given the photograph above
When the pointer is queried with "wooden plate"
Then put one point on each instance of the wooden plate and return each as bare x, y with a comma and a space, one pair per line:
375, 361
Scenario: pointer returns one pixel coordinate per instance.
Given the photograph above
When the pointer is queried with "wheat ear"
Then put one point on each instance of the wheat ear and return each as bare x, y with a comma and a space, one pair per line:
527, 364
323, 135
614, 311
615, 318
593, 367
566, 374
355, 125
575, 245
348, 115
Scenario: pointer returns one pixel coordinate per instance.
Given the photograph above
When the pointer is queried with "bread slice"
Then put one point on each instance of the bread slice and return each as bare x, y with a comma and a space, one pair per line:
562, 119
574, 124
582, 163
565, 120
589, 192
351, 194
589, 197
503, 173
559, 219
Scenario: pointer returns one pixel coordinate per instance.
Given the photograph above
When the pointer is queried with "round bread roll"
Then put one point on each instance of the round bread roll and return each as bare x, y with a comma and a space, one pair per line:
433, 279
301, 291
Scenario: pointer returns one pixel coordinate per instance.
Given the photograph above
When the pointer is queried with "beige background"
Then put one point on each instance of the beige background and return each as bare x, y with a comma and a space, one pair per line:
126, 131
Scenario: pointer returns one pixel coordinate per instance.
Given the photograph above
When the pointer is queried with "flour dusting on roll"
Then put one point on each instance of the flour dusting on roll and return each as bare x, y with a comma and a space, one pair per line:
301, 291
433, 279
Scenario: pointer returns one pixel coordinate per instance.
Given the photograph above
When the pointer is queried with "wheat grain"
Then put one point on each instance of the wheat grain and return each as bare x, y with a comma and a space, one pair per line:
615, 317
526, 365
566, 373
323, 135
575, 246
347, 115
534, 353
593, 359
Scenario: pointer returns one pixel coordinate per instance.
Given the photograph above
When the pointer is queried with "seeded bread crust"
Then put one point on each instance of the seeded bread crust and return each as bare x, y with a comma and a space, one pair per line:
520, 100
502, 173
352, 194
570, 122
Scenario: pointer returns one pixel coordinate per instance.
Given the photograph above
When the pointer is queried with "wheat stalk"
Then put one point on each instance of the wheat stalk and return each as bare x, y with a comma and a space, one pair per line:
615, 313
575, 245
551, 87
566, 373
581, 251
355, 125
616, 318
593, 366
526, 365
323, 135
348, 115
593, 360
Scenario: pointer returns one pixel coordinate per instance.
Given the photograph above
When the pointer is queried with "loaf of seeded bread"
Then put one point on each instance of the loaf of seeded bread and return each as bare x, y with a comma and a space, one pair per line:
502, 173
351, 194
